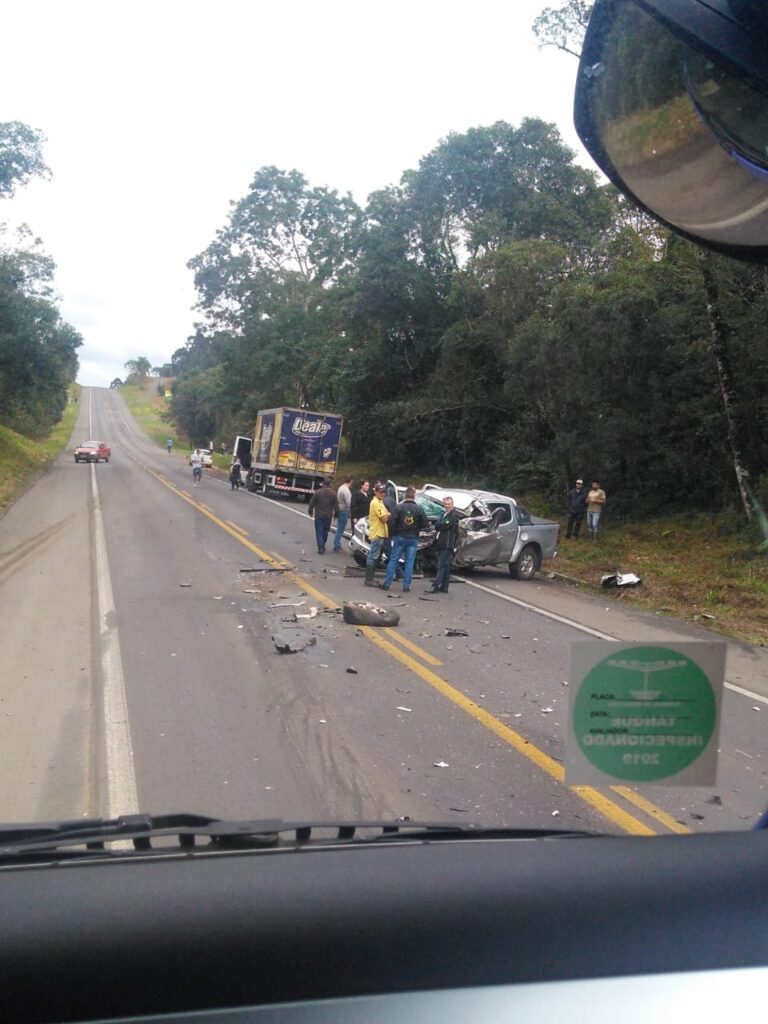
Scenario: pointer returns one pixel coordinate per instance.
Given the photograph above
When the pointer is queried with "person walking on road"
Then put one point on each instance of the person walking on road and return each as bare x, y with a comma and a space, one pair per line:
169, 444
235, 477
344, 504
447, 540
595, 502
361, 501
408, 520
577, 507
377, 533
322, 506
196, 461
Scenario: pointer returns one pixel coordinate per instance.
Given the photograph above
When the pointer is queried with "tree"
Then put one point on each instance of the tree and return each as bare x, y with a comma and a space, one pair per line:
493, 185
564, 27
138, 369
20, 156
282, 228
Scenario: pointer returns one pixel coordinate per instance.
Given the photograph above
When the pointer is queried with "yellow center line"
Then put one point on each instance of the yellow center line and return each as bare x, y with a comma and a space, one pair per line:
413, 648
236, 527
607, 807
652, 810
599, 801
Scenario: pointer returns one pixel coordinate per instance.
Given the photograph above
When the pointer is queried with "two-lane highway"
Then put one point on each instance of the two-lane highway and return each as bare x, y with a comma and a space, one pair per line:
188, 704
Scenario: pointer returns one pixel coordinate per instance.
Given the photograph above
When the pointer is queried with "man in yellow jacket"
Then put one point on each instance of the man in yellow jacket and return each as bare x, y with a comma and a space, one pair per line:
377, 532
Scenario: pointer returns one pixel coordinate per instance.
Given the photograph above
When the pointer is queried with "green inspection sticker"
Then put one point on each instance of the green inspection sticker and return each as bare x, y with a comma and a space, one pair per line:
644, 713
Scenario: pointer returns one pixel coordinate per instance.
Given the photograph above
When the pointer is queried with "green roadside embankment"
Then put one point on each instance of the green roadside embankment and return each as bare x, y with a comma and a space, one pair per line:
21, 459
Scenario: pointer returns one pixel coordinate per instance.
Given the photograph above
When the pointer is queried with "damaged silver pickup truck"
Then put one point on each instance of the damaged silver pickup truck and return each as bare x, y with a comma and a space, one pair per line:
494, 530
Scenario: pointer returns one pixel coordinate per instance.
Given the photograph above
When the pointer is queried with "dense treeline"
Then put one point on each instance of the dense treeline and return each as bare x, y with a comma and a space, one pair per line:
498, 314
38, 350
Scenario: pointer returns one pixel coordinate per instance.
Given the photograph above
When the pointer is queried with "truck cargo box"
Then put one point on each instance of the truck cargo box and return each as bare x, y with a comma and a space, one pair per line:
297, 439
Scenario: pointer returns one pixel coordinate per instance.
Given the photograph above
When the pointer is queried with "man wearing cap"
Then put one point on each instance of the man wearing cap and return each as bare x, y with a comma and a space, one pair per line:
577, 506
409, 519
322, 506
377, 532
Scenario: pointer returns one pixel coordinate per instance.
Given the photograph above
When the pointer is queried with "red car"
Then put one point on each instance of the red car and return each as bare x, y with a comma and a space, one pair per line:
92, 451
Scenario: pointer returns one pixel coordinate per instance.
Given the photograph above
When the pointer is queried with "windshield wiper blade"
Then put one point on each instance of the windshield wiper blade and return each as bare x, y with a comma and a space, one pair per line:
161, 833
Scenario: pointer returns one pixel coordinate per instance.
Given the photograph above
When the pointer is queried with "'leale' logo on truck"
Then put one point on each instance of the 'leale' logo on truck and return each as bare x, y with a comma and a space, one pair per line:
302, 426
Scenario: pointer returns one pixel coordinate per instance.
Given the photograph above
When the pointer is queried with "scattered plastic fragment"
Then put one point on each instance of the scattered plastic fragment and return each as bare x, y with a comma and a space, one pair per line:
352, 671
440, 764
452, 631
620, 579
400, 708
555, 813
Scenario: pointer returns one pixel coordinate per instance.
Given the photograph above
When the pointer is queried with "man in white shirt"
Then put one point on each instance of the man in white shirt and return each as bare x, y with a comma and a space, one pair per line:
196, 462
344, 499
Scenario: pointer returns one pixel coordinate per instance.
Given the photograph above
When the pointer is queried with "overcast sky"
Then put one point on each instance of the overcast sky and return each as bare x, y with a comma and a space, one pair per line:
158, 113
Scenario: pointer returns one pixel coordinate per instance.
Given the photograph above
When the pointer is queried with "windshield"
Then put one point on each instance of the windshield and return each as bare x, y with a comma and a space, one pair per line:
353, 249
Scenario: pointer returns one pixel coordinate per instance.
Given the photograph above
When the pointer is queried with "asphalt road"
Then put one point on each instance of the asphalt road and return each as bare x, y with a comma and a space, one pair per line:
140, 670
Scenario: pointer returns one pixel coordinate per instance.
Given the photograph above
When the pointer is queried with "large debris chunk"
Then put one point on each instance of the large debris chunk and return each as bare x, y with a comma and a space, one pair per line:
290, 645
364, 613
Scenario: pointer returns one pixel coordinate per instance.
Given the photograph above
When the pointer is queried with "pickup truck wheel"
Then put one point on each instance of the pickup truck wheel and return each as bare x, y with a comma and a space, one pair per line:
526, 565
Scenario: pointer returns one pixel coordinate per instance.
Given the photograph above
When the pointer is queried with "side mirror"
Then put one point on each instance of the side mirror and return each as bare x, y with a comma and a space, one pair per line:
672, 104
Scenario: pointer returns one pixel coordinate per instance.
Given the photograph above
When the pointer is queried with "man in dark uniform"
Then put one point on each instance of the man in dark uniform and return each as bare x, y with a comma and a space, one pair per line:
409, 519
577, 506
447, 539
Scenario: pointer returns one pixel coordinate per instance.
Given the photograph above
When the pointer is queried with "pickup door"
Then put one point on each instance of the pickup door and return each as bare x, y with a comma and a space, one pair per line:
487, 536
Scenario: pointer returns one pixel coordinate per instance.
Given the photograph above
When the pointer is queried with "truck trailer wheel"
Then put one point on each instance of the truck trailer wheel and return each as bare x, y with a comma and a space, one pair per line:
526, 565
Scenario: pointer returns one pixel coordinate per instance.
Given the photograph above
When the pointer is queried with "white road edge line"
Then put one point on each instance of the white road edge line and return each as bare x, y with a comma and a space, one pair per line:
122, 795
593, 632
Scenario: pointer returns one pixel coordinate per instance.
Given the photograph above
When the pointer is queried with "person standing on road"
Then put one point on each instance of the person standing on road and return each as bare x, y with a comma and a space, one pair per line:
390, 503
361, 501
577, 506
595, 502
322, 506
196, 461
344, 505
169, 444
377, 533
447, 540
235, 478
409, 519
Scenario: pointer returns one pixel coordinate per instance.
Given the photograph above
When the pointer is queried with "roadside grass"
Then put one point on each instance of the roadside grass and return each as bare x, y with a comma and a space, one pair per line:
701, 569
21, 459
695, 567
